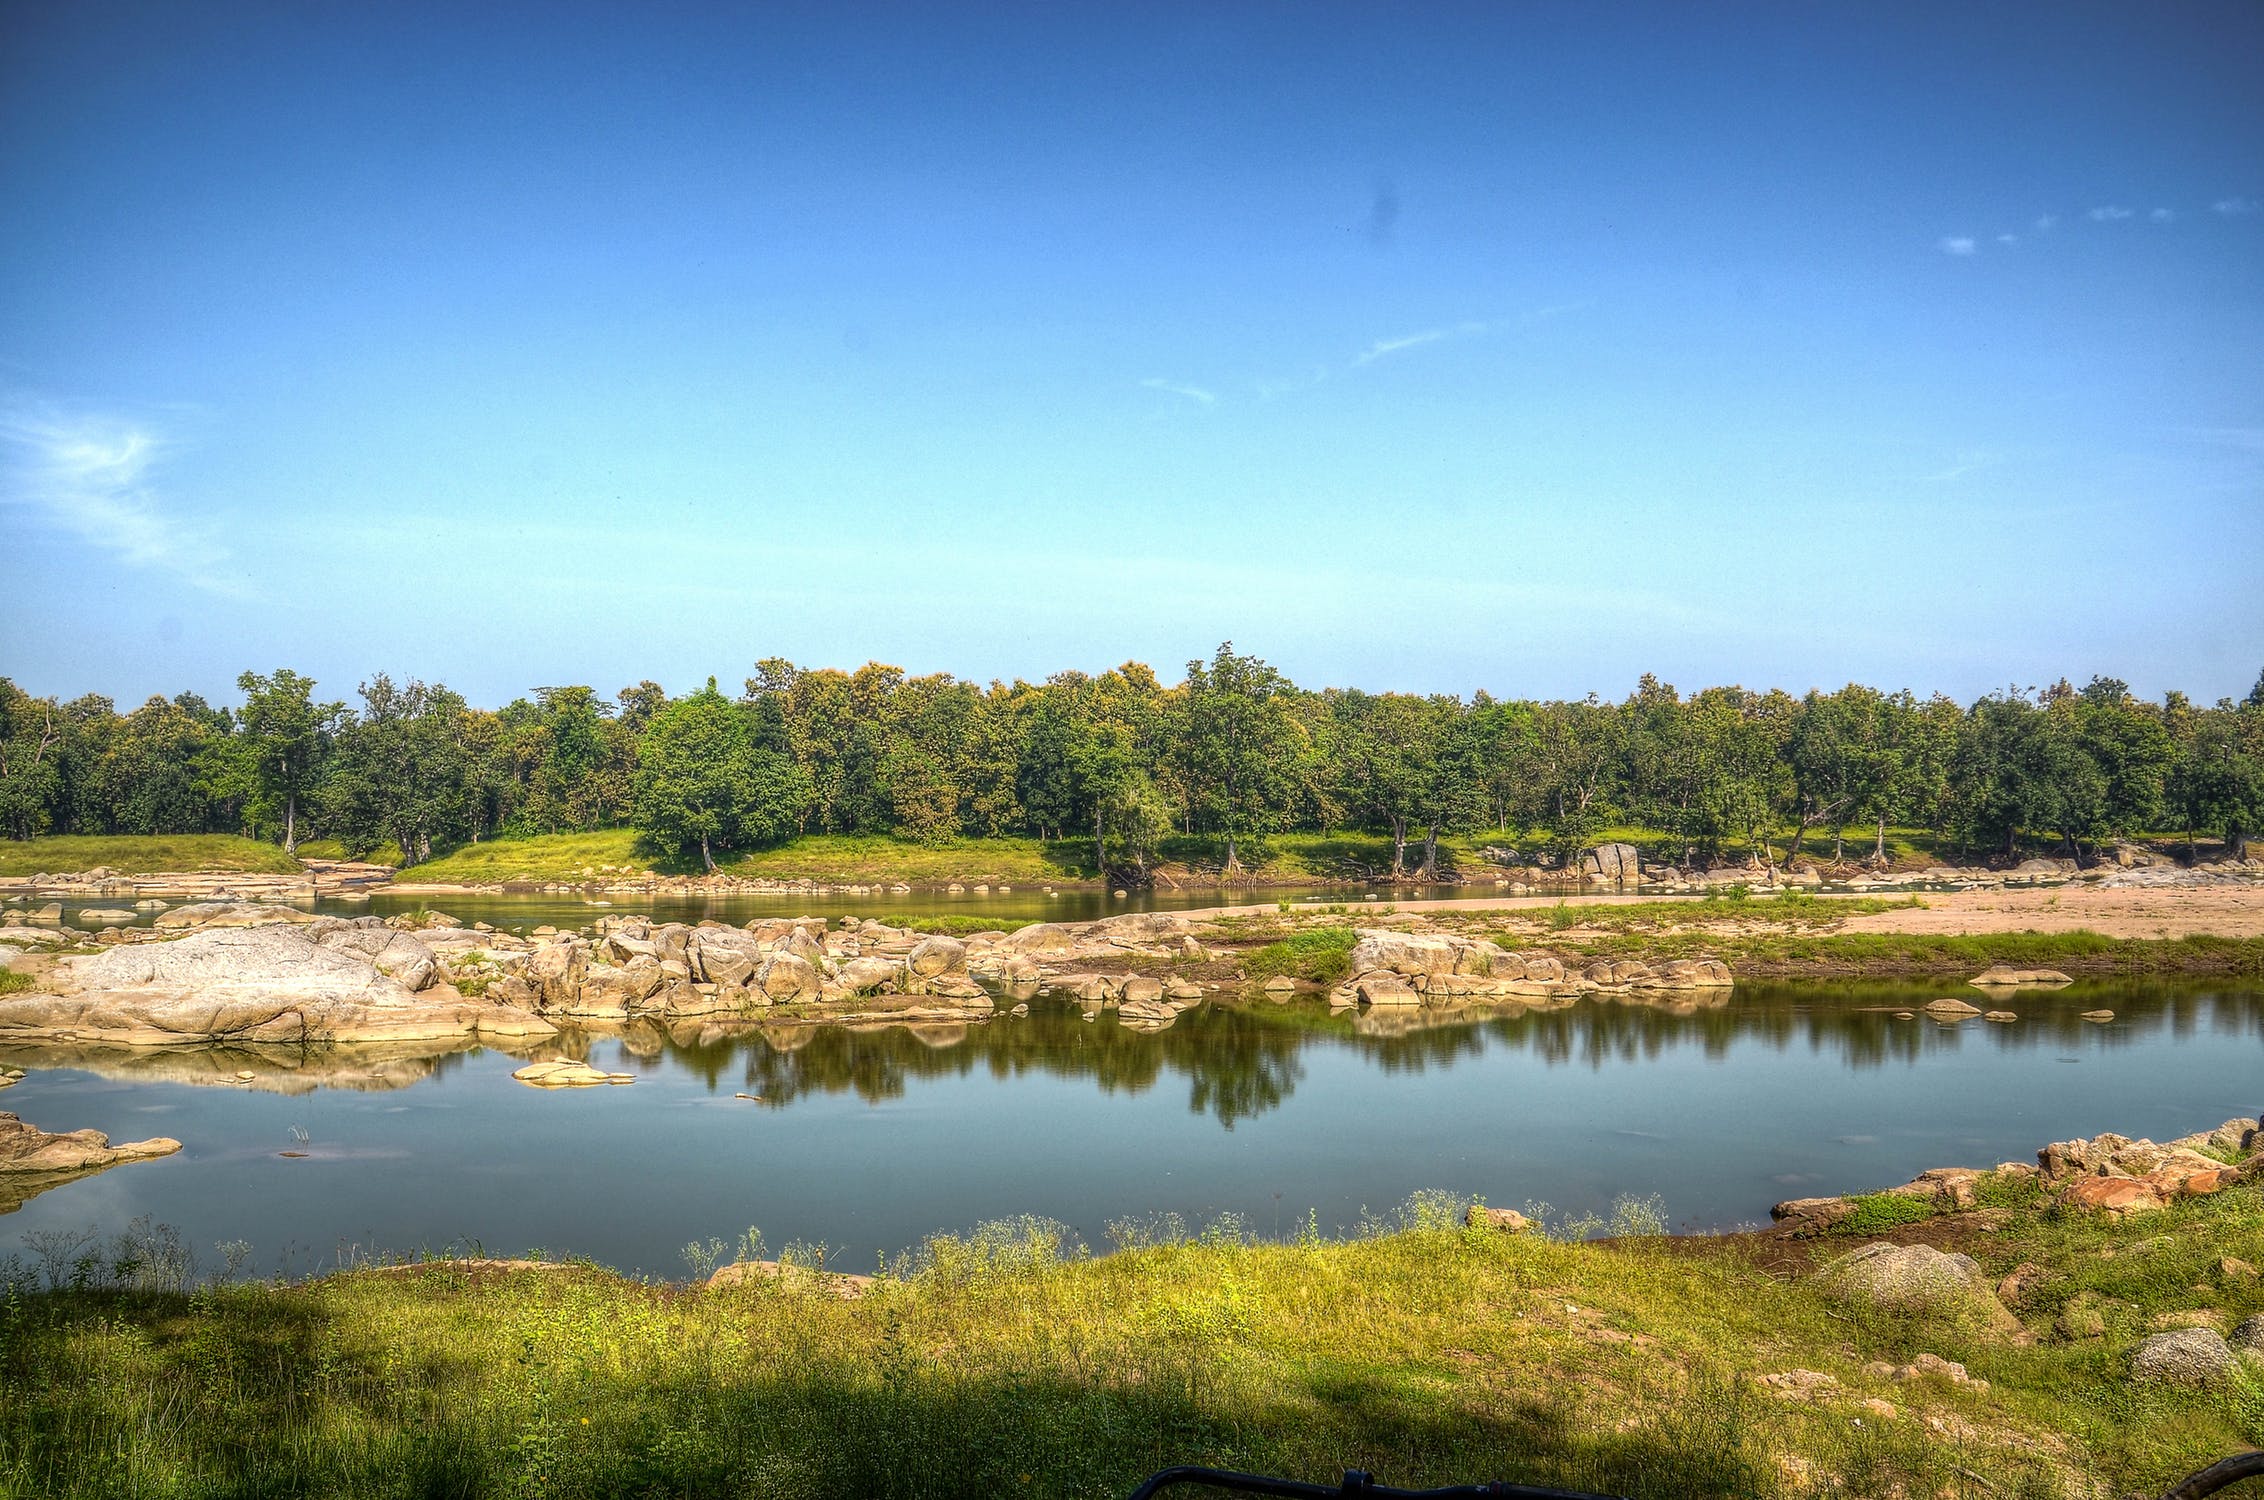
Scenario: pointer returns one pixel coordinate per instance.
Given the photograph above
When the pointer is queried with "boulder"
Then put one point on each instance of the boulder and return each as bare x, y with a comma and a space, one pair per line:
1386, 989
555, 970
2185, 1356
866, 976
2249, 1336
1951, 1010
936, 956
1041, 939
1408, 953
1612, 862
1140, 989
1917, 1279
1506, 1220
102, 916
787, 979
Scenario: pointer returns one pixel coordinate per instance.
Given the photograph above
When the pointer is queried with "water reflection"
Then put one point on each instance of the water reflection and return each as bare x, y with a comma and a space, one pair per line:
1238, 1060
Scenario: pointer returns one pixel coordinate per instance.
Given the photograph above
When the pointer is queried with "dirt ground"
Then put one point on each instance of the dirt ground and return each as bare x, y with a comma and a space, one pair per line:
2217, 911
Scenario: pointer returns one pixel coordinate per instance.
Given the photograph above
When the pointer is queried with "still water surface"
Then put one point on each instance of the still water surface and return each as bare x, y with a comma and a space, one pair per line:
866, 1140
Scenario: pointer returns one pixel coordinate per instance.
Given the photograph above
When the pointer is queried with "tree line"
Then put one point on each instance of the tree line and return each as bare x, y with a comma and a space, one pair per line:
1233, 752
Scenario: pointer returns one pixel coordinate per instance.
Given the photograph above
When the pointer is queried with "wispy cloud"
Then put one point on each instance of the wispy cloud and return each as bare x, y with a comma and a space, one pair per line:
2046, 223
1382, 348
2109, 214
1191, 392
2008, 239
2231, 206
1956, 244
2162, 215
90, 476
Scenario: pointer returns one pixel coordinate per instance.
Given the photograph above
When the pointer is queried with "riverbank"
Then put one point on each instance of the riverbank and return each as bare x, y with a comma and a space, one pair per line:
1010, 1360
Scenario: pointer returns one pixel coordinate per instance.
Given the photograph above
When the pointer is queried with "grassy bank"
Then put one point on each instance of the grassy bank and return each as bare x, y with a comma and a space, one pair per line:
143, 854
996, 1365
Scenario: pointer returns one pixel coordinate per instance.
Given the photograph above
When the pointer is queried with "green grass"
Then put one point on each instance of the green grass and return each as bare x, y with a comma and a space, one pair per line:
949, 926
332, 849
12, 982
143, 854
995, 1364
1786, 955
868, 859
545, 858
1320, 954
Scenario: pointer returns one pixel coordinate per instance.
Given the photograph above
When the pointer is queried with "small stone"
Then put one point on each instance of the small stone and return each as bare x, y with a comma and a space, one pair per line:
2099, 1015
1506, 1220
2233, 1268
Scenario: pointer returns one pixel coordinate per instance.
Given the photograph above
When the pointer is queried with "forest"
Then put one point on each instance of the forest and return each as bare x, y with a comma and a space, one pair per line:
1233, 752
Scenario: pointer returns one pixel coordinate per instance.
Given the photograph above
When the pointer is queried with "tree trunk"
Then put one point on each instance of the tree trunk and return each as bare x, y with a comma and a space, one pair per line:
1398, 847
1233, 859
291, 824
1430, 869
1839, 843
1100, 846
1879, 852
706, 858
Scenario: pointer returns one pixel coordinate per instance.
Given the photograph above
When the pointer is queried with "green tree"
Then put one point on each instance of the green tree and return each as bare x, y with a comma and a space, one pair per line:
285, 736
31, 732
703, 783
1240, 747
401, 770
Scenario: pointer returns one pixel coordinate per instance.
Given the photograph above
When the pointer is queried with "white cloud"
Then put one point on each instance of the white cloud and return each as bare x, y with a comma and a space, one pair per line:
2231, 206
2109, 214
2161, 216
2046, 223
90, 476
1173, 387
1956, 244
2008, 239
1382, 347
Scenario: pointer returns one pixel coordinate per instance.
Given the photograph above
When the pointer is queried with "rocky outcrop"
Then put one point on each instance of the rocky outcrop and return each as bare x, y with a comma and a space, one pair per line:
2115, 1175
32, 1161
273, 983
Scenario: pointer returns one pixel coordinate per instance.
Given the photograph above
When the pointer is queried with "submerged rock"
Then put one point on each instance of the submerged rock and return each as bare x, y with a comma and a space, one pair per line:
568, 1075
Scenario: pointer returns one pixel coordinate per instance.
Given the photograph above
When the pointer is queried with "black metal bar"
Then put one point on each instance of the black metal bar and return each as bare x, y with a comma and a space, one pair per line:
2225, 1471
1354, 1483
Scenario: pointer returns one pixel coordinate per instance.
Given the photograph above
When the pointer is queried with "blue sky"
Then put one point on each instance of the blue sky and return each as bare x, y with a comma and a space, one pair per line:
1525, 347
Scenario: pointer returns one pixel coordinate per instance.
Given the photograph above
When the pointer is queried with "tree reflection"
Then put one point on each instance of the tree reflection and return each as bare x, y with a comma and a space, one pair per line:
1242, 1060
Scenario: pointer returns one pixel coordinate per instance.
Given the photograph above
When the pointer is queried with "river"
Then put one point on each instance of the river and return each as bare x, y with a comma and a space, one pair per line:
1279, 1113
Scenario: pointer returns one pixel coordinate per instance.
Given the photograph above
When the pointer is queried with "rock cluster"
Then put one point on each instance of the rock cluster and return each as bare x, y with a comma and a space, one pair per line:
2116, 1175
1395, 968
2110, 1174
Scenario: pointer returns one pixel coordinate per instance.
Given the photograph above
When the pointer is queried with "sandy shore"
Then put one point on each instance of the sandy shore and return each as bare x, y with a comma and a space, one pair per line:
2217, 910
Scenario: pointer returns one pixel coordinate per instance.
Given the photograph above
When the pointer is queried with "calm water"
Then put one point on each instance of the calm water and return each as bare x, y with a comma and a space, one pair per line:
867, 1140
519, 913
